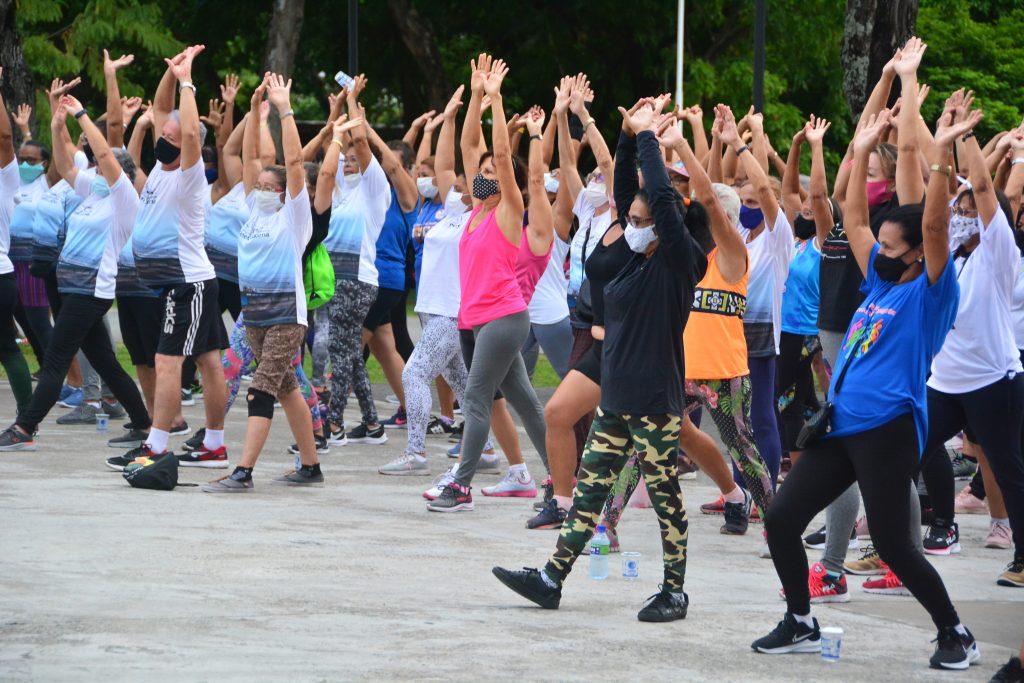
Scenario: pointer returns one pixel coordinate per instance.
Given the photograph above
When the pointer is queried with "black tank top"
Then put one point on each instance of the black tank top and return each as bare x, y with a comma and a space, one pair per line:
601, 267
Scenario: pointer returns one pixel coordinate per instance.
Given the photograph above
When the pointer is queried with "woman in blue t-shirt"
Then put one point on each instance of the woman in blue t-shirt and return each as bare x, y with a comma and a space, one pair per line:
878, 417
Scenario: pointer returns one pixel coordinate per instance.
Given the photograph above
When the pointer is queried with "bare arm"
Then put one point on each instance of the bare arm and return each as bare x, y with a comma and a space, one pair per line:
856, 220
791, 199
1015, 181
251, 162
325, 180
115, 124
107, 165
231, 158
569, 172
63, 161
540, 230
759, 145
6, 133
823, 219
418, 123
191, 145
405, 186
984, 192
577, 99
360, 143
444, 161
755, 171
695, 117
510, 208
548, 144
471, 144
163, 102
427, 141
909, 183
715, 154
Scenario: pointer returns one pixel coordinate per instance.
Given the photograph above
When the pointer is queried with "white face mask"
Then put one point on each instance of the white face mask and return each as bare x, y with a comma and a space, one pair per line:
426, 187
639, 239
454, 204
352, 179
550, 183
596, 194
267, 201
962, 229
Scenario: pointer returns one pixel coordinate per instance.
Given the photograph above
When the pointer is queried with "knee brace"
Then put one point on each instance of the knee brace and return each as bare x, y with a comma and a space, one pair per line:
261, 404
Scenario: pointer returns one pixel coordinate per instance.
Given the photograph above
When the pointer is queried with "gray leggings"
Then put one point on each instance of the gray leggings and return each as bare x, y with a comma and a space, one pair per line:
556, 342
841, 515
498, 363
321, 349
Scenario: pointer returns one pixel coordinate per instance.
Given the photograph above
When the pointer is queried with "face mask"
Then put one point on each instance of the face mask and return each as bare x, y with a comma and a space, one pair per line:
639, 239
352, 179
484, 188
596, 194
750, 218
891, 268
267, 201
211, 176
426, 187
962, 229
878, 192
550, 183
454, 204
99, 187
29, 172
166, 153
803, 228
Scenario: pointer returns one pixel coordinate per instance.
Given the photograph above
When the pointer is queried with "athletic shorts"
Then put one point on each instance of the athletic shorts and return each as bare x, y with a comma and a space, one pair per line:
140, 318
589, 364
380, 312
192, 324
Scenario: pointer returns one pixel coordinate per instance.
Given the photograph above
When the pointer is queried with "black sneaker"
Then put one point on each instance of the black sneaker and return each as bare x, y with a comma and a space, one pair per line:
439, 427
737, 516
1011, 672
454, 498
322, 446
550, 517
12, 439
195, 442
953, 650
304, 476
132, 439
114, 411
186, 398
180, 430
664, 606
789, 636
816, 540
549, 493
119, 462
363, 434
337, 436
529, 583
943, 538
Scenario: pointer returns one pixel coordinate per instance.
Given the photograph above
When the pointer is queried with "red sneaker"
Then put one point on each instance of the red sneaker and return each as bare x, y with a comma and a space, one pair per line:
204, 457
889, 584
714, 508
823, 587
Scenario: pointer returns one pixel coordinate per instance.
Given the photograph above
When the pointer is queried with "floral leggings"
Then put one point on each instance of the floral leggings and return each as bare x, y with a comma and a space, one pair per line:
239, 357
437, 352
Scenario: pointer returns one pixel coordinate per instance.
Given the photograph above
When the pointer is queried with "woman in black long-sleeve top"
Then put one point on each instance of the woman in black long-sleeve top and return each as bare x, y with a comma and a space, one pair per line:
646, 307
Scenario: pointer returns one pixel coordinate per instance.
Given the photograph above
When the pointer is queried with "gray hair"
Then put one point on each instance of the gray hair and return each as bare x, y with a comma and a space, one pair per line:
127, 163
729, 200
176, 117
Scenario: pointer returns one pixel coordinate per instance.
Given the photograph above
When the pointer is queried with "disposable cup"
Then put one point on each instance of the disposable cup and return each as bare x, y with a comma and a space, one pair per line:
630, 566
831, 640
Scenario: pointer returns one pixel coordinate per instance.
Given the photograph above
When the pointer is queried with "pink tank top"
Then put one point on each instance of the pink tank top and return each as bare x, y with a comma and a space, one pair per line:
530, 267
487, 274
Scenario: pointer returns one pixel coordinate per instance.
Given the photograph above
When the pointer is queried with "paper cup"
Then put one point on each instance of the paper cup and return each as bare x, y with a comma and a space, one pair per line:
630, 566
831, 640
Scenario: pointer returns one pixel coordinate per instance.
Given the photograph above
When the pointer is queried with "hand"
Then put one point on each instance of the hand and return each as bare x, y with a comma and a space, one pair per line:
909, 58
336, 103
947, 130
111, 66
229, 88
693, 115
478, 71
729, 134
513, 124
59, 88
627, 115
660, 102
423, 119
1016, 137
535, 120
922, 94
342, 125
146, 118
801, 135
493, 79
181, 64
756, 122
21, 116
434, 123
577, 97
744, 123
73, 105
816, 129
60, 114
563, 96
452, 108
279, 92
129, 107
641, 118
867, 138
216, 116
668, 131
358, 84
256, 102
890, 67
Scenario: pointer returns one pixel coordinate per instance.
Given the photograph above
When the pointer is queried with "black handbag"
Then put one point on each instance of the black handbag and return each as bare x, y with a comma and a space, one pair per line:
820, 424
584, 306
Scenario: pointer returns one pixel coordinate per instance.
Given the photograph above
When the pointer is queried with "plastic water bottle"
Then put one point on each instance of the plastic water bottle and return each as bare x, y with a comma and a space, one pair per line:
599, 547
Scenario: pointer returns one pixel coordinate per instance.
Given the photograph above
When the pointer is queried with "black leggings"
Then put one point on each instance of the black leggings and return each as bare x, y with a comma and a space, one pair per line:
994, 415
794, 385
34, 321
883, 461
400, 327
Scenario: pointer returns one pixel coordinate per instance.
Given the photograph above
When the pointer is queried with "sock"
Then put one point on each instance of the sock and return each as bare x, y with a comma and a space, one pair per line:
520, 468
735, 496
564, 502
551, 583
447, 420
242, 474
1003, 521
488, 458
214, 439
804, 619
157, 440
419, 457
959, 628
834, 575
94, 404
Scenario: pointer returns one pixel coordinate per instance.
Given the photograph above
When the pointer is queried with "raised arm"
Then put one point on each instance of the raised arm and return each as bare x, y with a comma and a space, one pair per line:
856, 220
163, 102
135, 140
714, 164
328, 174
627, 182
759, 143
252, 164
444, 160
823, 218
540, 230
471, 143
418, 124
63, 160
980, 179
577, 103
107, 165
1015, 181
909, 183
426, 147
569, 172
230, 159
191, 145
6, 132
754, 168
279, 94
791, 199
548, 143
360, 143
694, 116
115, 124
405, 186
510, 208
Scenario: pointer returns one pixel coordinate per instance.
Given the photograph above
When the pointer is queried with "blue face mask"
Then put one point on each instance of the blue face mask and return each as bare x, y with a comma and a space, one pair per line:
29, 172
100, 187
211, 176
750, 218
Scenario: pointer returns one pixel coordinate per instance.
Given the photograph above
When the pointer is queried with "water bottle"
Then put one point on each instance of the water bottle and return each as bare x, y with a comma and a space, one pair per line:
599, 547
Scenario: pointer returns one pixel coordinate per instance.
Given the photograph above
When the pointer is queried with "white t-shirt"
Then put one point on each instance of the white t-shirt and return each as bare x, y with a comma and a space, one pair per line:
597, 225
770, 253
10, 179
439, 290
169, 238
981, 348
1017, 305
549, 305
25, 202
356, 222
97, 231
270, 247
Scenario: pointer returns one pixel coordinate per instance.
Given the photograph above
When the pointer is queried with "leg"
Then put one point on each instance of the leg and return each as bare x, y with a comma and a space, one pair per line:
946, 417
556, 340
365, 295
582, 342
575, 397
762, 414
446, 395
703, 450
215, 391
321, 337
237, 358
400, 327
840, 520
10, 355
439, 343
621, 491
505, 432
100, 351
530, 352
308, 394
346, 312
38, 318
520, 393
382, 345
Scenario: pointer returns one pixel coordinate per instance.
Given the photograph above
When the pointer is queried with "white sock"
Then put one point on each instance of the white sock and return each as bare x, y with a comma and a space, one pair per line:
521, 467
959, 628
1001, 521
735, 496
564, 502
214, 439
804, 619
419, 457
489, 458
157, 440
95, 404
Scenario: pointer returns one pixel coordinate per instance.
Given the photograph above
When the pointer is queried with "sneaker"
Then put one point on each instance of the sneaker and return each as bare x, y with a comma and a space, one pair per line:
454, 498
323, 446
186, 398
664, 606
714, 508
789, 636
196, 441
1011, 672
1014, 574
301, 477
114, 411
74, 398
889, 584
12, 439
550, 517
180, 430
737, 516
765, 552
197, 390
442, 480
954, 650
204, 457
968, 504
824, 587
362, 434
869, 564
686, 467
246, 377
406, 465
513, 485
337, 436
962, 467
531, 585
396, 421
457, 431
861, 529
84, 414
456, 450
133, 439
457, 409
942, 538
819, 539
232, 483
65, 391
119, 462
392, 399
549, 493
438, 426
999, 536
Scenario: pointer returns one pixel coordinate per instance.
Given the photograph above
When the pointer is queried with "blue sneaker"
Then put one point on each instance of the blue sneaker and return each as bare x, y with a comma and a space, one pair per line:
73, 399
455, 450
65, 391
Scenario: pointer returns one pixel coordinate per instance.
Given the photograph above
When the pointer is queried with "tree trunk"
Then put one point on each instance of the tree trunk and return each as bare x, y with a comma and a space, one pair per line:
17, 84
417, 35
282, 45
872, 32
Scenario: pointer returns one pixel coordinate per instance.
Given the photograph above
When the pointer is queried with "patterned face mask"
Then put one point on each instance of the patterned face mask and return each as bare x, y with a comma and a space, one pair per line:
484, 188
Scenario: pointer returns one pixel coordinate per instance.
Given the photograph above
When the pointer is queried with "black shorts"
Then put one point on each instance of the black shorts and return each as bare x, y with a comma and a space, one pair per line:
192, 324
140, 318
380, 312
589, 364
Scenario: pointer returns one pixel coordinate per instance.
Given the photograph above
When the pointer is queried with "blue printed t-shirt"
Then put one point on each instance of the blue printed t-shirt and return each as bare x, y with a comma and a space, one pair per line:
50, 223
25, 202
223, 222
392, 244
270, 247
356, 221
894, 334
800, 299
97, 231
429, 214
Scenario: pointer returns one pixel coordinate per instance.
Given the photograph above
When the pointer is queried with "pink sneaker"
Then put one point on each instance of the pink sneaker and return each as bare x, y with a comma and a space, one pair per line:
862, 529
998, 536
967, 504
512, 486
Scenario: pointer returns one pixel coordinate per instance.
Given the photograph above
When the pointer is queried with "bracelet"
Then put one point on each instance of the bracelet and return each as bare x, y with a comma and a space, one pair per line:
286, 114
967, 136
338, 143
945, 170
741, 150
80, 113
189, 86
589, 121
535, 137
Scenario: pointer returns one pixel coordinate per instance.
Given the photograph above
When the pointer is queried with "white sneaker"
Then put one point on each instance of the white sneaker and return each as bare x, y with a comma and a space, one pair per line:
488, 465
442, 480
513, 485
406, 465
765, 552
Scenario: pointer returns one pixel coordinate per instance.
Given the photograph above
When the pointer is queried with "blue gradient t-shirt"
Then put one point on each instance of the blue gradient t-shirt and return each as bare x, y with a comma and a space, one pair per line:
223, 222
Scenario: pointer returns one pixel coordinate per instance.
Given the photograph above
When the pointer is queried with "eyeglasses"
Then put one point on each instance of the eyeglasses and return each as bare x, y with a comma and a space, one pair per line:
640, 221
966, 213
267, 188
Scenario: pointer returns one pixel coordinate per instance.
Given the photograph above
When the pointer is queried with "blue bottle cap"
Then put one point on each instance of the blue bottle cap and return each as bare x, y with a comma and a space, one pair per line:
601, 528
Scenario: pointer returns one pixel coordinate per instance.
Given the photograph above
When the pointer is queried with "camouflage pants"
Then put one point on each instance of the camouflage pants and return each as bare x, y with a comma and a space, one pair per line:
612, 440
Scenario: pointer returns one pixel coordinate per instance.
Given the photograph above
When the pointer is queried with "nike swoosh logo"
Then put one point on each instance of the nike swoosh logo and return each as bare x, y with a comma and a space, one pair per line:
797, 639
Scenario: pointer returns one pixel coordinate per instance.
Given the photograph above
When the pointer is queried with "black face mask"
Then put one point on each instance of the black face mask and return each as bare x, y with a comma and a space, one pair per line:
484, 188
90, 157
891, 268
166, 153
803, 228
